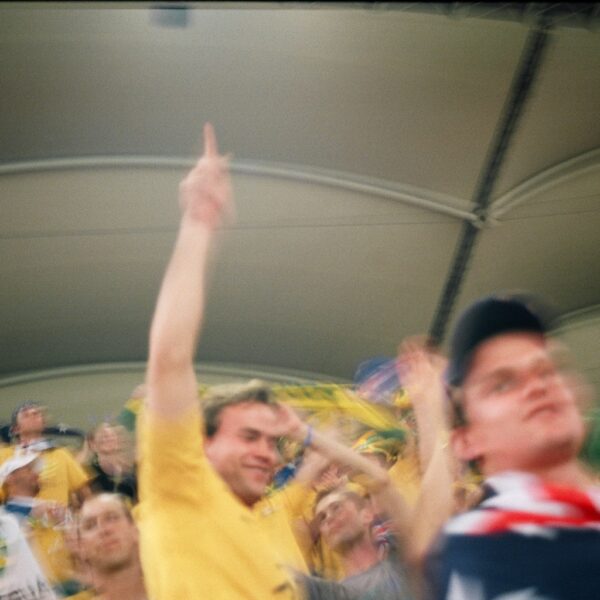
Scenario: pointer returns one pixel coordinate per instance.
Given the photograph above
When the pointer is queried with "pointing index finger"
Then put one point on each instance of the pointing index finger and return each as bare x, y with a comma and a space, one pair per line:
210, 141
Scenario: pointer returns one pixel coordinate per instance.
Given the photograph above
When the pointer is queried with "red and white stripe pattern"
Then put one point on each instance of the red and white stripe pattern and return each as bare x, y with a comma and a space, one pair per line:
525, 504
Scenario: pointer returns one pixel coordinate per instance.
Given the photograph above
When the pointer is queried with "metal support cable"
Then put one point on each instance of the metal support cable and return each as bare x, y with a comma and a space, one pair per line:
527, 69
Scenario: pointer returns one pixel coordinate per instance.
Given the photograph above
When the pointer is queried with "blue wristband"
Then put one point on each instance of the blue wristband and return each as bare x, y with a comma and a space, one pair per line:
308, 439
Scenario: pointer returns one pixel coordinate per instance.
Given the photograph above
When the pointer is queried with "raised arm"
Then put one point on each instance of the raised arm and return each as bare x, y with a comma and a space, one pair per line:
205, 200
421, 371
370, 475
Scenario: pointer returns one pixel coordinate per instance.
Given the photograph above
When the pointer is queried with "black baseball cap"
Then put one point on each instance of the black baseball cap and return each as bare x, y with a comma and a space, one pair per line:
488, 317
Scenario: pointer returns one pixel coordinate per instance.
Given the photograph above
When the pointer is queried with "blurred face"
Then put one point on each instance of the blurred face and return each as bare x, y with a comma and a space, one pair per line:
108, 538
521, 411
244, 449
107, 440
30, 421
341, 521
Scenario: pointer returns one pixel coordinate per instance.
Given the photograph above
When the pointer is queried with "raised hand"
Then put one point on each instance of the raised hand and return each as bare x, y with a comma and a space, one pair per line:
205, 193
420, 367
313, 468
205, 200
290, 424
51, 513
140, 392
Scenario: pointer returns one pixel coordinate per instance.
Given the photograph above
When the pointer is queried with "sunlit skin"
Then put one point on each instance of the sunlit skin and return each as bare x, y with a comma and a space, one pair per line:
108, 537
342, 523
24, 481
107, 440
30, 423
111, 452
521, 411
379, 459
244, 449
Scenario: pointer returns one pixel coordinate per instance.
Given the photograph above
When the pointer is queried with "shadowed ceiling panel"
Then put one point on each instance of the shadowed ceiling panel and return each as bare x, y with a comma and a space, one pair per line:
581, 332
561, 118
358, 136
383, 94
305, 268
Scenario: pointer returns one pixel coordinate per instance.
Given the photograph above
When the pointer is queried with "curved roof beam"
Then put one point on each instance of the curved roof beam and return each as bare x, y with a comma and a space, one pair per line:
579, 318
227, 370
425, 199
560, 173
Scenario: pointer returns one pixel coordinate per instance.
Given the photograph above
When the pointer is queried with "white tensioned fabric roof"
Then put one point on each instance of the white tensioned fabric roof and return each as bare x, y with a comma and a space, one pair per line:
391, 162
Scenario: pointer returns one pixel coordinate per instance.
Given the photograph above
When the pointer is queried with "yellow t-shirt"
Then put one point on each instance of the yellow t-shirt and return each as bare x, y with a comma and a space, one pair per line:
197, 540
406, 475
48, 545
85, 595
276, 515
60, 476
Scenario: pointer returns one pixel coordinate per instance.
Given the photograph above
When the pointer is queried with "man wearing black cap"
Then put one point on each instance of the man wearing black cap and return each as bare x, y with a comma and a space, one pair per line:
536, 534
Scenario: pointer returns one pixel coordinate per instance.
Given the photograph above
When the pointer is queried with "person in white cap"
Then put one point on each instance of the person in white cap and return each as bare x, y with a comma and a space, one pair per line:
42, 521
20, 573
61, 478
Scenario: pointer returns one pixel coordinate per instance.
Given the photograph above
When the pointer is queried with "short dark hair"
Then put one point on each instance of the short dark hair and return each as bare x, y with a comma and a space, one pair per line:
219, 397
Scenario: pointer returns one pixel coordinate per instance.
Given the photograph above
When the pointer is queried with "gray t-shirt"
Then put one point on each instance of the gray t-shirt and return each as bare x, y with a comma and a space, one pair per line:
387, 580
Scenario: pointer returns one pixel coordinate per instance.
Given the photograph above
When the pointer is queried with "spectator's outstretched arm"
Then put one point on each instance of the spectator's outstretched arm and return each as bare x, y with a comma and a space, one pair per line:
421, 371
205, 200
373, 477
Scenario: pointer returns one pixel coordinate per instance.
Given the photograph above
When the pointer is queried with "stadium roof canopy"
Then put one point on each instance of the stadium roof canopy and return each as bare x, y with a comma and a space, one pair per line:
391, 161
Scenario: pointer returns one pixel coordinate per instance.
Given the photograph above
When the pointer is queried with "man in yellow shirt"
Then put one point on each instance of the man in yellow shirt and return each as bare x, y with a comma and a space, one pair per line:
201, 535
222, 408
61, 476
198, 534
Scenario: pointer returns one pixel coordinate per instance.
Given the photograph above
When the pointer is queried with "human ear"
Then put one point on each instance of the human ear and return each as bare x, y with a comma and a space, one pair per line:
463, 444
368, 515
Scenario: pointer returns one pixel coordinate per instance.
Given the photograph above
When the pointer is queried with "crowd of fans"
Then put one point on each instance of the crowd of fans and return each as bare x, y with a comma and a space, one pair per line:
44, 487
470, 488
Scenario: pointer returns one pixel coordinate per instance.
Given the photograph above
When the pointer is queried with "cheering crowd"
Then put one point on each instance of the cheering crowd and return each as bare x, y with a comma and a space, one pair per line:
236, 495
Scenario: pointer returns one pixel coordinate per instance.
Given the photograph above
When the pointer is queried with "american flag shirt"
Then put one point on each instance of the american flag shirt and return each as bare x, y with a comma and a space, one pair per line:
527, 540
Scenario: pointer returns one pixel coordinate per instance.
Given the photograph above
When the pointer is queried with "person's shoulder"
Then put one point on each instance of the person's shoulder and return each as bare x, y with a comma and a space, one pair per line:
465, 523
61, 453
6, 452
9, 522
152, 424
